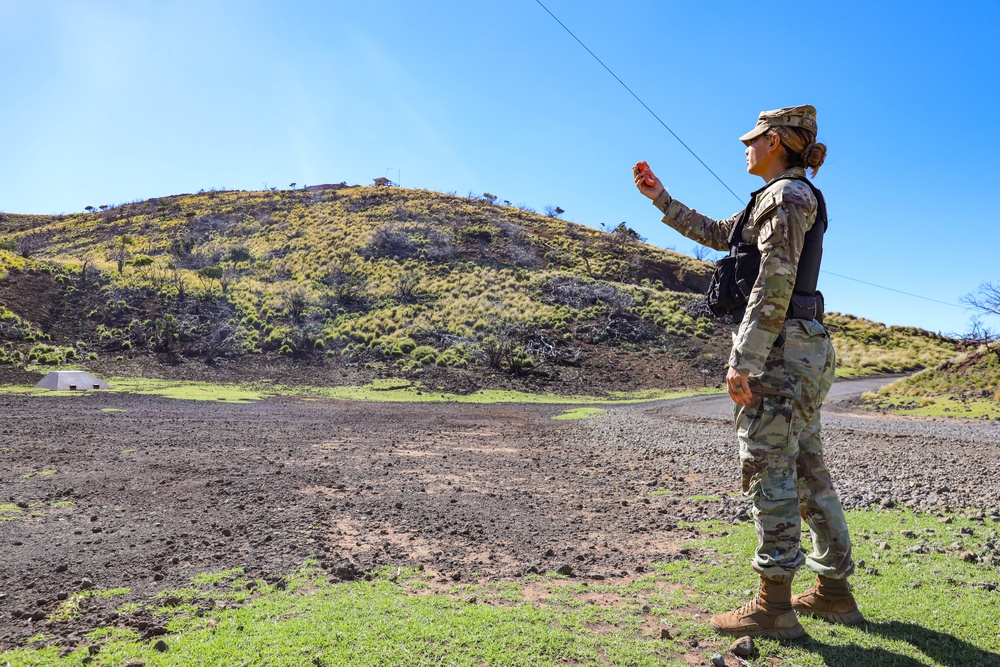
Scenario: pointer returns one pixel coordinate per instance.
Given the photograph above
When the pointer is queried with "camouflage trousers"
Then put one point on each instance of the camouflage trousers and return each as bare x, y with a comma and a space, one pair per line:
782, 459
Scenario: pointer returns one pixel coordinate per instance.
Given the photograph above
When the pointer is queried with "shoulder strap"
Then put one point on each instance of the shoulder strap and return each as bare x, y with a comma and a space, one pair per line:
807, 276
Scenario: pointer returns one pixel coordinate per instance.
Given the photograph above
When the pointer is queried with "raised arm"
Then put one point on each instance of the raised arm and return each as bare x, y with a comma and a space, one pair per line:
690, 223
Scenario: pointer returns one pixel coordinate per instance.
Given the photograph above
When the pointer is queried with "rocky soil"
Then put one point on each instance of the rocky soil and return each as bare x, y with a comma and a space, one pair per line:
110, 490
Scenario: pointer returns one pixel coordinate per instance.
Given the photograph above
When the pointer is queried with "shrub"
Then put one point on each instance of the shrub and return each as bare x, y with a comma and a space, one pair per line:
425, 354
390, 241
406, 345
92, 356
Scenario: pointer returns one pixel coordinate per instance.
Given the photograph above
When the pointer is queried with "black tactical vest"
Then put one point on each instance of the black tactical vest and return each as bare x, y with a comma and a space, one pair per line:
736, 274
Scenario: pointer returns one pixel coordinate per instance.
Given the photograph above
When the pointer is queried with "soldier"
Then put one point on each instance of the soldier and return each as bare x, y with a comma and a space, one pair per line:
780, 370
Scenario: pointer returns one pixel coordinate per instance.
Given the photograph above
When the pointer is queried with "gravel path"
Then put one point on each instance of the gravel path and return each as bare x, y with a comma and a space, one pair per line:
875, 460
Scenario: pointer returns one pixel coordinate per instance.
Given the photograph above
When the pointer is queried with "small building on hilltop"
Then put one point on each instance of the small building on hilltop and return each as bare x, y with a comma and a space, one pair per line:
382, 181
71, 381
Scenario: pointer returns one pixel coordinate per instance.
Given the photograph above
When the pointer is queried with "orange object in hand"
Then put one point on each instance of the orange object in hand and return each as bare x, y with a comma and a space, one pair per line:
647, 173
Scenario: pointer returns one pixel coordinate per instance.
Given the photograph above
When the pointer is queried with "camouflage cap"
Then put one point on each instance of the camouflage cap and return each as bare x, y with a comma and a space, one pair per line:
803, 116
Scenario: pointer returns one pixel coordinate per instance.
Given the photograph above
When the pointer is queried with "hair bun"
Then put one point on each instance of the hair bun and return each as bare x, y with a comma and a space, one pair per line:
814, 154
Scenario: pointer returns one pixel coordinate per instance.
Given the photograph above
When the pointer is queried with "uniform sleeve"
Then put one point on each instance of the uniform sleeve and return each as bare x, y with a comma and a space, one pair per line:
694, 225
782, 221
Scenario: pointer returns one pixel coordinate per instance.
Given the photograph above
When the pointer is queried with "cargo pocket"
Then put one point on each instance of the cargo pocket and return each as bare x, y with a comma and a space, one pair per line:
778, 379
767, 461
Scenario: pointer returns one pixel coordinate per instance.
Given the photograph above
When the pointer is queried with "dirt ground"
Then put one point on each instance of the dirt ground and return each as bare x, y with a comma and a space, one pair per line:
118, 490
114, 490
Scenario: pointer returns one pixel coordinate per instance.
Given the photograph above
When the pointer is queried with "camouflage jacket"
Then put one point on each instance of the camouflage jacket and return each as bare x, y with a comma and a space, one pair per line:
784, 212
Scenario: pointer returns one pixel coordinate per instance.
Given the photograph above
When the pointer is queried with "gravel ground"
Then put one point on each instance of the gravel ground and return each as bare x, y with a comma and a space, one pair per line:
875, 460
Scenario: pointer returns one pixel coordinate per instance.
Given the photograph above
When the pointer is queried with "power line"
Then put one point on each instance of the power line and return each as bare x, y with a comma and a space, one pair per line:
916, 296
702, 162
674, 134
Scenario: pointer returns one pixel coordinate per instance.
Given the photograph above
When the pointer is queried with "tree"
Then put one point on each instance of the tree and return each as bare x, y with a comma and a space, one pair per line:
553, 212
345, 281
295, 300
704, 253
32, 242
141, 263
986, 300
209, 273
166, 330
239, 253
120, 252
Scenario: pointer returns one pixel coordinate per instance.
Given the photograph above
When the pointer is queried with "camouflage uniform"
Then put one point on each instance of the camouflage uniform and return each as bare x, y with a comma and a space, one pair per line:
779, 431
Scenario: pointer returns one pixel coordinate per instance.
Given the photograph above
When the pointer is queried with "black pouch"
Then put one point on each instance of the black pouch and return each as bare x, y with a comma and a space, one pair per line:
806, 307
734, 277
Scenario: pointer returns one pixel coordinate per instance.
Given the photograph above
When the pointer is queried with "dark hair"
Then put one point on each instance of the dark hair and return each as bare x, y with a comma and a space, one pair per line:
801, 149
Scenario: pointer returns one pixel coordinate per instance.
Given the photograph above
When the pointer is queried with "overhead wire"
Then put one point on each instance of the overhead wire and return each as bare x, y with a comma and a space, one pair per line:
639, 100
702, 162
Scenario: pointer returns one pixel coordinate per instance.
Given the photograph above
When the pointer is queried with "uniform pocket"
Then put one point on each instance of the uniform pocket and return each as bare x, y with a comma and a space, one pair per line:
778, 379
767, 461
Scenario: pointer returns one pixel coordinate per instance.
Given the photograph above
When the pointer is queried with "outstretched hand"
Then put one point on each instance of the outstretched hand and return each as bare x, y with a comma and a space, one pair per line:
652, 191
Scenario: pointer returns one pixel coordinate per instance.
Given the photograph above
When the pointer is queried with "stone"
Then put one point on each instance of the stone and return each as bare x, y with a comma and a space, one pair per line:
718, 660
742, 647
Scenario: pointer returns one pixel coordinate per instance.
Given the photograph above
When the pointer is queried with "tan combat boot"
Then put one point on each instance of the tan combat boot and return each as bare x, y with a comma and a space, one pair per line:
831, 600
769, 614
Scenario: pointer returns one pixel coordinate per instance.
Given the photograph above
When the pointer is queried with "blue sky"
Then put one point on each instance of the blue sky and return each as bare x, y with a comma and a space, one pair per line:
112, 101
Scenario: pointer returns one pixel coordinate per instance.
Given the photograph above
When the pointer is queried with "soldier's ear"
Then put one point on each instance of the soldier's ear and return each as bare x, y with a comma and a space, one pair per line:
773, 142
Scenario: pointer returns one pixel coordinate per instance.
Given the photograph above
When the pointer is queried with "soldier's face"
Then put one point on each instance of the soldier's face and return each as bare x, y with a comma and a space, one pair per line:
762, 154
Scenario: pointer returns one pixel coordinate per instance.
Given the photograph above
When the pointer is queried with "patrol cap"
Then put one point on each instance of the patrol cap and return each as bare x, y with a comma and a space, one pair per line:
803, 116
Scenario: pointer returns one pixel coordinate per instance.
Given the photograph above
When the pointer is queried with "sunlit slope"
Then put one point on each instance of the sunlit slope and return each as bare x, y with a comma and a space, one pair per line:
390, 279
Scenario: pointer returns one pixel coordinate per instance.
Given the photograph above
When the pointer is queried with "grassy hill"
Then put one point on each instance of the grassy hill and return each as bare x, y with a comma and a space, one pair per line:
865, 347
964, 386
342, 283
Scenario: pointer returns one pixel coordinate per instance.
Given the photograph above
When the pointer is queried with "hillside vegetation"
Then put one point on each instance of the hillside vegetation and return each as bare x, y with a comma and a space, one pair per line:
965, 386
865, 347
360, 282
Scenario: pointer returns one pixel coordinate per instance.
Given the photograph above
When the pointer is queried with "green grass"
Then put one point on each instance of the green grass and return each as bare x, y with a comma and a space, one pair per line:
922, 607
865, 347
188, 391
938, 405
384, 391
70, 608
581, 413
11, 512
964, 386
39, 473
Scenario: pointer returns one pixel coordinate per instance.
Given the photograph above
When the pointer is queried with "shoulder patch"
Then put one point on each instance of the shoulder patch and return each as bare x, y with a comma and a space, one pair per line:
799, 196
767, 202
